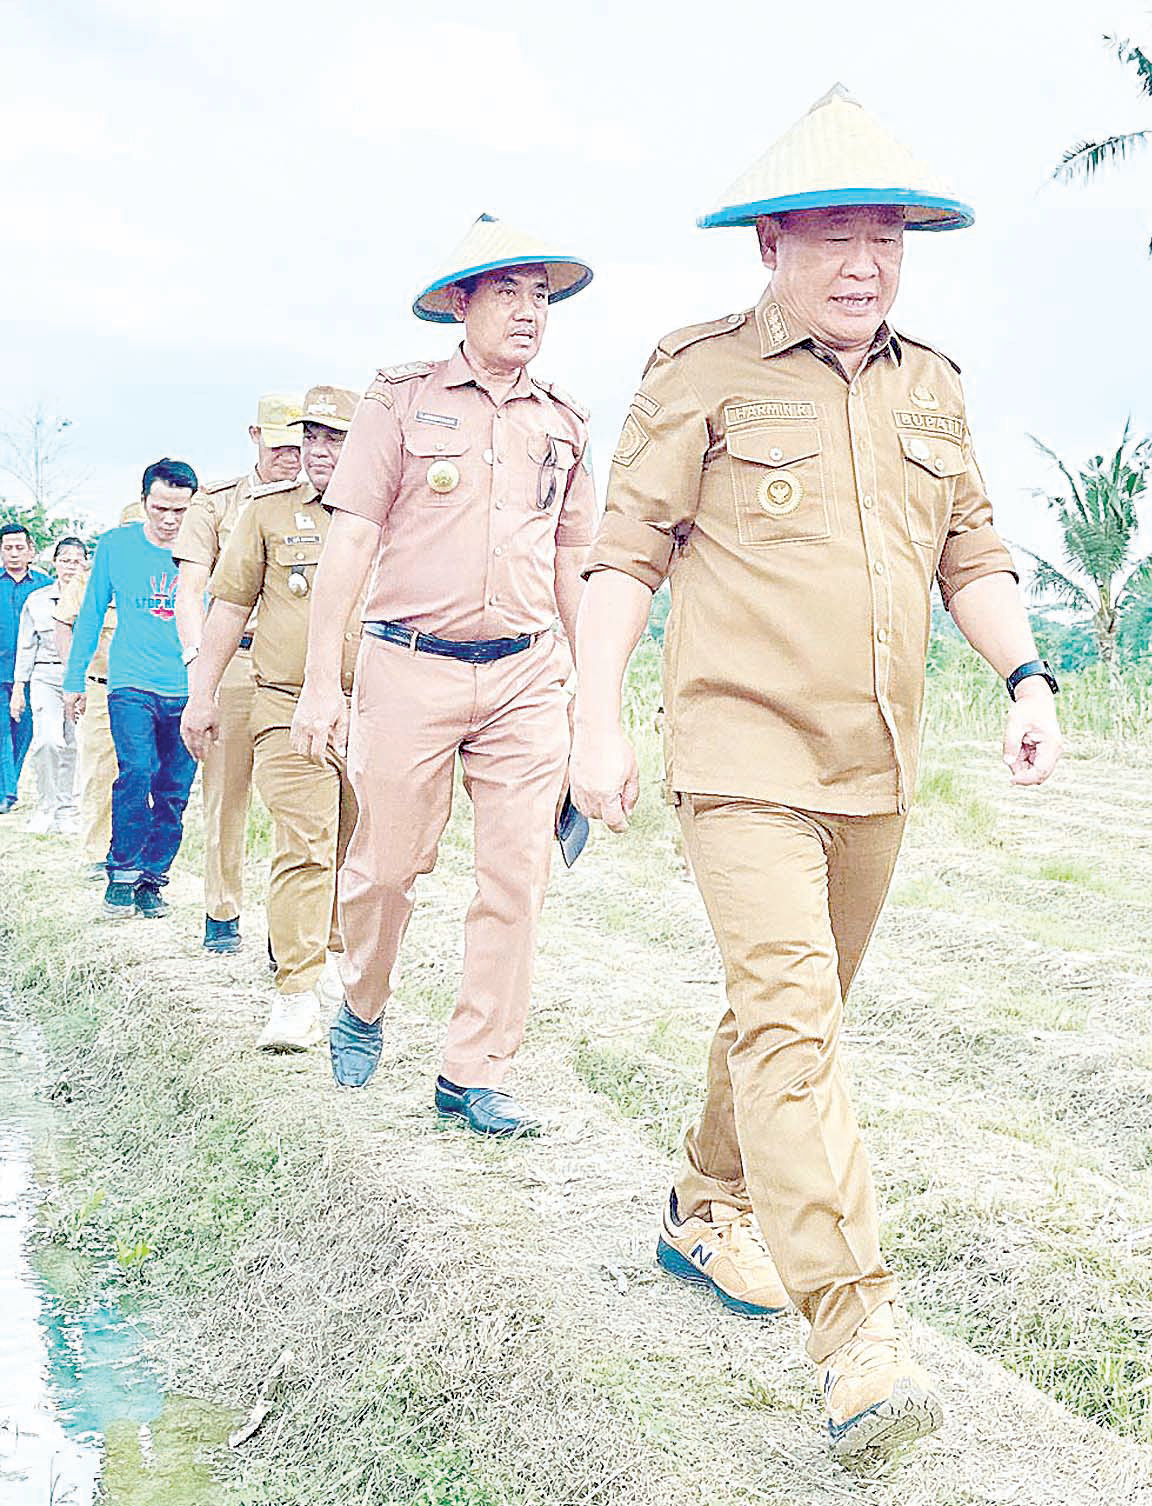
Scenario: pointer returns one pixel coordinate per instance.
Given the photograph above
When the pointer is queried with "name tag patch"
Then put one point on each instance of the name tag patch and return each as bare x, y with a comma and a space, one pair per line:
445, 420
930, 423
302, 538
742, 413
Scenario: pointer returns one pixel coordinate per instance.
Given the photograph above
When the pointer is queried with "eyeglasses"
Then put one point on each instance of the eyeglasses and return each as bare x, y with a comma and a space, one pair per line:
546, 481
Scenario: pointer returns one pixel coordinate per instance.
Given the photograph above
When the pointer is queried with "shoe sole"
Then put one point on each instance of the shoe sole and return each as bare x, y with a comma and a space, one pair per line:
908, 1414
282, 1047
118, 912
219, 951
521, 1132
671, 1260
153, 914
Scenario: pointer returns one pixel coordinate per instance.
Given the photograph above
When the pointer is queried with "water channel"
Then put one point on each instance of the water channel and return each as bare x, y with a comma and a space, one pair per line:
83, 1417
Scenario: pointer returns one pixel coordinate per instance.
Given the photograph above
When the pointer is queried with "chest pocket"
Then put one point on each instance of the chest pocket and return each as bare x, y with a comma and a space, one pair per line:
296, 564
931, 466
778, 485
436, 462
551, 459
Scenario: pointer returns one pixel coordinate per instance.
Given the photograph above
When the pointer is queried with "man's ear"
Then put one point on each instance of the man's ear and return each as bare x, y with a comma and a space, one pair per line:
459, 304
767, 230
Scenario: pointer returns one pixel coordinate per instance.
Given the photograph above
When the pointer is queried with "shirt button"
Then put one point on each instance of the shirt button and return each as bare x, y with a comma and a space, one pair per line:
937, 464
347, 637
488, 457
879, 567
499, 504
868, 501
439, 445
775, 453
881, 635
498, 550
299, 556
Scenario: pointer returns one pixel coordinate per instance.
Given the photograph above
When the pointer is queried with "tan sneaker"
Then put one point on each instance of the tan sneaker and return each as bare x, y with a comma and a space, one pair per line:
294, 1024
726, 1252
875, 1396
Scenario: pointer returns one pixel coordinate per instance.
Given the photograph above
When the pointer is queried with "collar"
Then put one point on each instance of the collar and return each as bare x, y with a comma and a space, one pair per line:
29, 574
782, 330
458, 373
258, 488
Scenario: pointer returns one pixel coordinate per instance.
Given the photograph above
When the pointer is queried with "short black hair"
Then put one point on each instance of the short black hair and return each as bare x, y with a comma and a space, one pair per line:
69, 542
14, 528
171, 472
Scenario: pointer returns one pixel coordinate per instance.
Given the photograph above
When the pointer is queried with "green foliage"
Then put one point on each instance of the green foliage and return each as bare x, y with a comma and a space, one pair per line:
658, 616
1098, 518
42, 529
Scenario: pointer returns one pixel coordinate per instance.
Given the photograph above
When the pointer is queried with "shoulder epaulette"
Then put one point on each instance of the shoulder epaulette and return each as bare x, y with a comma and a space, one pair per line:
210, 488
923, 345
680, 339
557, 394
388, 376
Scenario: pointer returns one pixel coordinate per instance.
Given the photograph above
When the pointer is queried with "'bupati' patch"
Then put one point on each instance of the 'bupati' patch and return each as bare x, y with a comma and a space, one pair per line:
930, 423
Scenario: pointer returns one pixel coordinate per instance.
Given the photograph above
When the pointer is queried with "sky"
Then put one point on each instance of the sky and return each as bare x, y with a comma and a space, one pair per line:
201, 203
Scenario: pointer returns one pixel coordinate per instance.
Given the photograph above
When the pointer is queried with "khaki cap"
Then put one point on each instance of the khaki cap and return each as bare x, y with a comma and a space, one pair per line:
274, 412
488, 246
838, 154
331, 406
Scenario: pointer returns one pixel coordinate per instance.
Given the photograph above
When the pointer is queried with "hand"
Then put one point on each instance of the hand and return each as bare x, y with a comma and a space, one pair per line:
16, 701
1032, 741
605, 779
321, 719
74, 706
200, 726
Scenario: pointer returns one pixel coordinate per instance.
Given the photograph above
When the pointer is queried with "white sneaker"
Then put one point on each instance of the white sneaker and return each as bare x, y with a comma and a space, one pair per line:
329, 987
294, 1024
41, 822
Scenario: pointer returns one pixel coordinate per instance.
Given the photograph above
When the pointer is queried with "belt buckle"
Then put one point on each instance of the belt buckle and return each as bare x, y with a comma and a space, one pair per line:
413, 635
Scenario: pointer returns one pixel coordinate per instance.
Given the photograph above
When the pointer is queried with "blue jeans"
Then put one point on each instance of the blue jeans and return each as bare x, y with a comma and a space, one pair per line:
151, 790
14, 740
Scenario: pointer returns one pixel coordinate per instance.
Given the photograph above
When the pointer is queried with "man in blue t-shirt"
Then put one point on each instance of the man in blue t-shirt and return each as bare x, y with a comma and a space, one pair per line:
134, 571
17, 582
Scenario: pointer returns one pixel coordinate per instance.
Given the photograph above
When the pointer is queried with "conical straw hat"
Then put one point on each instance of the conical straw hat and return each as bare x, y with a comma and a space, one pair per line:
491, 244
838, 154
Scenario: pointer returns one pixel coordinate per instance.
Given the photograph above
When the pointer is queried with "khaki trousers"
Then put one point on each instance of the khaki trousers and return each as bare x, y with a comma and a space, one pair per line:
98, 771
53, 751
226, 786
508, 721
793, 898
313, 812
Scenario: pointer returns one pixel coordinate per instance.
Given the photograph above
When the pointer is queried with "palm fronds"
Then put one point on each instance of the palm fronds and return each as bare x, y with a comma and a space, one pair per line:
1089, 156
1127, 52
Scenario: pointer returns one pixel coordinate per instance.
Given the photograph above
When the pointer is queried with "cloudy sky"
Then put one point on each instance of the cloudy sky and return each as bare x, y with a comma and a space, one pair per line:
204, 202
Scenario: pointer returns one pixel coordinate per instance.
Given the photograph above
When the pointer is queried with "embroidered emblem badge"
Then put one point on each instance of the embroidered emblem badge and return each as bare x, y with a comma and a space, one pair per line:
776, 323
633, 440
443, 476
779, 493
924, 397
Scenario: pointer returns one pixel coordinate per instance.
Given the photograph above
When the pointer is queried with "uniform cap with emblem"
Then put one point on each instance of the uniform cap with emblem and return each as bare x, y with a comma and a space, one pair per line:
274, 412
838, 154
331, 406
489, 246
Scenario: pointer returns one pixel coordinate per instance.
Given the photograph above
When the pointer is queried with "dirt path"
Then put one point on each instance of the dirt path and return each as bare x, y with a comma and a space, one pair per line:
1003, 1074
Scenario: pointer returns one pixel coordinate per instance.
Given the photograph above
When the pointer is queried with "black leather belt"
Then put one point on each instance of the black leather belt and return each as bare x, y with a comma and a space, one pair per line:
472, 651
246, 641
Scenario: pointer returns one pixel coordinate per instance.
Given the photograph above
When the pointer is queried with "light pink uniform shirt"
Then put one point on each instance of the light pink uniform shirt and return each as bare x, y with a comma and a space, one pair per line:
476, 559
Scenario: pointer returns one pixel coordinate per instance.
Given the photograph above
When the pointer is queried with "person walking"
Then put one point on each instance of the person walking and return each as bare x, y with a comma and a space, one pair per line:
147, 687
264, 577
226, 769
465, 484
38, 685
801, 473
18, 580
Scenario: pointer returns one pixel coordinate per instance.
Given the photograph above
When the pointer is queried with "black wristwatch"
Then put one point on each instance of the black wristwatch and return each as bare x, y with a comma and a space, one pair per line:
1033, 667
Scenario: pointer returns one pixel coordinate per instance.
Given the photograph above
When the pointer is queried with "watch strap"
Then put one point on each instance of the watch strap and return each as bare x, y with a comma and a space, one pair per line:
1025, 671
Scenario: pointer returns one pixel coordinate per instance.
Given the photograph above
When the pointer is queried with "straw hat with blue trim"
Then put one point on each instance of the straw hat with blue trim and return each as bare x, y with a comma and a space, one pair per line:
489, 246
839, 155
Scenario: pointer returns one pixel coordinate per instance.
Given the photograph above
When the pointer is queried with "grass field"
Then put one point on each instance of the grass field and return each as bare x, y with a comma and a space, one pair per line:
481, 1325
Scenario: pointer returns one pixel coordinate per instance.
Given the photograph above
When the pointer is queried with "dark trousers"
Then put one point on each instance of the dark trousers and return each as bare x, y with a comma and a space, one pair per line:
151, 789
14, 740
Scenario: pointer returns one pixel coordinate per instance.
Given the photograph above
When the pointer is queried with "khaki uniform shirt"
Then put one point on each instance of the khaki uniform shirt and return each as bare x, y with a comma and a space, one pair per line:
802, 518
275, 540
472, 498
216, 509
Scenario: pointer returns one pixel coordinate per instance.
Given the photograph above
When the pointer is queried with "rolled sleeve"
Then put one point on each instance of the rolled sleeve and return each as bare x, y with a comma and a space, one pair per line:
576, 526
239, 574
198, 541
367, 475
654, 484
972, 547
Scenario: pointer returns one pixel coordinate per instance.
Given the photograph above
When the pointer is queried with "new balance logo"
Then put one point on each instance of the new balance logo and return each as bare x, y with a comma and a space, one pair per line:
701, 1256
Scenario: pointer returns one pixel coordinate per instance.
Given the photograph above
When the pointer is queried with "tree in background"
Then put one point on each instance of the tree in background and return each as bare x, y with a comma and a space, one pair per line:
1088, 157
33, 451
1098, 518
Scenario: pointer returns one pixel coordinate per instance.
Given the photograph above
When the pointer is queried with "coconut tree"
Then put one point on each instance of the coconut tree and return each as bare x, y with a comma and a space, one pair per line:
1096, 510
1085, 159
